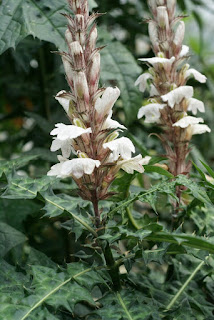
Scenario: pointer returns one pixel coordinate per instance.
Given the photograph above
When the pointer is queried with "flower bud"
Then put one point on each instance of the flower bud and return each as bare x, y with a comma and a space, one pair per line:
153, 6
68, 70
94, 73
81, 90
77, 122
68, 36
92, 39
162, 17
82, 155
153, 34
179, 36
111, 137
171, 4
80, 28
75, 5
77, 55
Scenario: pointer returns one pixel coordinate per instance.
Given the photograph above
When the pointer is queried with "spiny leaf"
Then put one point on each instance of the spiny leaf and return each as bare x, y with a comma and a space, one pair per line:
7, 166
41, 19
9, 238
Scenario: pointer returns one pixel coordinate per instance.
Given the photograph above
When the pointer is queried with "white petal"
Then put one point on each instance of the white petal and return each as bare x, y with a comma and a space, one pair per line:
134, 164
156, 60
200, 129
120, 147
112, 124
56, 170
64, 132
195, 105
184, 51
186, 121
104, 104
64, 99
142, 81
153, 91
80, 166
177, 95
196, 74
151, 112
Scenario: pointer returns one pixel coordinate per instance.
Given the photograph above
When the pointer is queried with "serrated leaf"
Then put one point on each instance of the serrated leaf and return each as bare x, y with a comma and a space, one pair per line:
41, 19
9, 238
7, 166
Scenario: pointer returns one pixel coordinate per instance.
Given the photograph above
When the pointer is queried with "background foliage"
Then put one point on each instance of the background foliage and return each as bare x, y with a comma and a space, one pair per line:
51, 265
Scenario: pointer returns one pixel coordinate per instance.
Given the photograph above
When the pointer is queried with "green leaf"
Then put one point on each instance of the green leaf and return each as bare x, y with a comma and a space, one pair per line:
19, 188
9, 238
126, 305
196, 190
159, 170
210, 171
7, 166
120, 67
41, 19
23, 298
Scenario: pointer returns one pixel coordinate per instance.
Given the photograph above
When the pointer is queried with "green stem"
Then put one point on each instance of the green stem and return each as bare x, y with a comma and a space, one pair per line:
132, 219
172, 302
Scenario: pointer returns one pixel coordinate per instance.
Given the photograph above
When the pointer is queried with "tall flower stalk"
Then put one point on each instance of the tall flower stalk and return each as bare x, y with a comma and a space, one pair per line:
92, 136
171, 99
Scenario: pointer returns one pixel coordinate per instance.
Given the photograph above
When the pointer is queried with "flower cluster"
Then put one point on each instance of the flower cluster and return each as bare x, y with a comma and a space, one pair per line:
170, 97
92, 136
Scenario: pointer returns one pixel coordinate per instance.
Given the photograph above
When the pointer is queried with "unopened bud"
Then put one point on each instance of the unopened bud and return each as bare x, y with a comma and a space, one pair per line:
94, 73
179, 35
68, 70
92, 39
171, 4
161, 55
80, 28
160, 2
68, 36
77, 122
162, 166
153, 6
153, 34
75, 5
81, 155
77, 55
162, 17
112, 137
81, 89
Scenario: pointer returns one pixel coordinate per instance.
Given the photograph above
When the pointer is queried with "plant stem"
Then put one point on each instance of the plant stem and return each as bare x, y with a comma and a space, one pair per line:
172, 302
132, 219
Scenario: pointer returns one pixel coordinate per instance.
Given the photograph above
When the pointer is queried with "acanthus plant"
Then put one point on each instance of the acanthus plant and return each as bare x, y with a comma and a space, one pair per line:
93, 135
170, 97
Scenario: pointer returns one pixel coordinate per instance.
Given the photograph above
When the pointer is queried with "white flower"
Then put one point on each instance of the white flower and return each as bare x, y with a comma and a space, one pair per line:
200, 129
195, 105
64, 99
184, 51
177, 95
134, 164
75, 167
187, 121
78, 167
179, 34
64, 145
65, 132
120, 147
151, 112
142, 81
196, 74
112, 124
156, 60
104, 104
